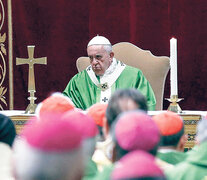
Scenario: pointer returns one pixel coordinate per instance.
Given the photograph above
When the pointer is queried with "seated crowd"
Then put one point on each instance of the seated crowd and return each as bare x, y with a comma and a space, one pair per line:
114, 141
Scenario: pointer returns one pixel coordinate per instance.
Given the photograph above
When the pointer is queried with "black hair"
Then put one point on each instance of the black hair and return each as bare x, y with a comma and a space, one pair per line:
114, 109
7, 130
171, 140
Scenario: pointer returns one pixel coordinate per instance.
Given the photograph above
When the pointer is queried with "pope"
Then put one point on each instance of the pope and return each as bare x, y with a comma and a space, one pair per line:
103, 76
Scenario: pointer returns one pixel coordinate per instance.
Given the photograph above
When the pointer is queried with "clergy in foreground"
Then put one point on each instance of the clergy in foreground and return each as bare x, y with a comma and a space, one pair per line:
173, 139
103, 76
194, 167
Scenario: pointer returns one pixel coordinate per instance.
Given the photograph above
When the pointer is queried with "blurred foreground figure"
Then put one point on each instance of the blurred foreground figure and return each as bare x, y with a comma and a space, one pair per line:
121, 101
56, 103
133, 130
98, 113
137, 165
89, 131
172, 142
49, 149
7, 136
195, 165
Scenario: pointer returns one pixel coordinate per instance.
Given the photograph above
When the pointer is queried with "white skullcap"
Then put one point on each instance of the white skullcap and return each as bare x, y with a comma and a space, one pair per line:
99, 40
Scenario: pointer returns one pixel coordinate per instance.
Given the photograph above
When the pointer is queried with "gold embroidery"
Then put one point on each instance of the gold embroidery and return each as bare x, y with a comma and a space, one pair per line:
3, 53
104, 86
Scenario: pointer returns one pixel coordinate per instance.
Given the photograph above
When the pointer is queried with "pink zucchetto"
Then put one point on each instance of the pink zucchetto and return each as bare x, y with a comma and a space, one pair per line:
136, 164
53, 134
136, 130
57, 103
49, 148
84, 122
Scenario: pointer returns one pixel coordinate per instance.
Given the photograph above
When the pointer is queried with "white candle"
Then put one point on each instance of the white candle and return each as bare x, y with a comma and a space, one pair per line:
173, 67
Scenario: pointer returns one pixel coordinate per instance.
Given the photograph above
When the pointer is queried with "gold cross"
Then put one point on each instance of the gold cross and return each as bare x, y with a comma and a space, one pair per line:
31, 78
31, 61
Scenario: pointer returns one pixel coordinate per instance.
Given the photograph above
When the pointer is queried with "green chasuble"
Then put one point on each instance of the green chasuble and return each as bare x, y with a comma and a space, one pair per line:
90, 170
172, 157
194, 166
84, 92
105, 174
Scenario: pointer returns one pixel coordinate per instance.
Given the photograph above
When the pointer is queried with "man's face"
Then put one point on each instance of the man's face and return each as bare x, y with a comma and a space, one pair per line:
100, 59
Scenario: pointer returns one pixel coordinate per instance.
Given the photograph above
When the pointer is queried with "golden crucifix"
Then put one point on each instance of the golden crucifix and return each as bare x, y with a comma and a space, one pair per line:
31, 80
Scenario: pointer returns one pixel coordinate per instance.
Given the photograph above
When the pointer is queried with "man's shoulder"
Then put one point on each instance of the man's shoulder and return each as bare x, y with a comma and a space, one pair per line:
80, 75
129, 68
132, 70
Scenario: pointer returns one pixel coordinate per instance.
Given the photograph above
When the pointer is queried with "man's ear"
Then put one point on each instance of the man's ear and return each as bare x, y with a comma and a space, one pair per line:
111, 54
105, 128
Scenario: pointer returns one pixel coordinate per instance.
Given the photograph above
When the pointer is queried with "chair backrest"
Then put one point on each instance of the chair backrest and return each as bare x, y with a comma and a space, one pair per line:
155, 68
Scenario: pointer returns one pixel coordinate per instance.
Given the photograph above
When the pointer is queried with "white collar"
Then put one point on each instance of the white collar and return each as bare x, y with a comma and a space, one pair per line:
107, 80
110, 76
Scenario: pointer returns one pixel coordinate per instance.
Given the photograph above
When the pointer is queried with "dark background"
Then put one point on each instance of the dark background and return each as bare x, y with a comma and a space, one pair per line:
61, 29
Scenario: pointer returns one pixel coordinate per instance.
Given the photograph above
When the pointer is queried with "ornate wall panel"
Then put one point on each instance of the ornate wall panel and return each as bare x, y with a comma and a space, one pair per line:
5, 61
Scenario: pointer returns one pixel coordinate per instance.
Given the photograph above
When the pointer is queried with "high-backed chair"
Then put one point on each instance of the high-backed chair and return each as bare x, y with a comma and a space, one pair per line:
155, 68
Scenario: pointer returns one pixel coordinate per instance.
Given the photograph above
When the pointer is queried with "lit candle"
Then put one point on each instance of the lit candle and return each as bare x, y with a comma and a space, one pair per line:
173, 67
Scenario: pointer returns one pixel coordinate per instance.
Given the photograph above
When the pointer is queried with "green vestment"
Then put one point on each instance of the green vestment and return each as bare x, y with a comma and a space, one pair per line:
90, 170
172, 157
84, 93
193, 168
105, 174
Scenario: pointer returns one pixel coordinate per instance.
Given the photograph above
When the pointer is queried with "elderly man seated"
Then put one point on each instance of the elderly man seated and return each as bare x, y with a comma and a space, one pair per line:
103, 76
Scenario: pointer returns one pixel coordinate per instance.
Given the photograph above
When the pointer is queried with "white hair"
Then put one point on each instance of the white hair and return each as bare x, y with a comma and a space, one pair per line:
108, 48
33, 164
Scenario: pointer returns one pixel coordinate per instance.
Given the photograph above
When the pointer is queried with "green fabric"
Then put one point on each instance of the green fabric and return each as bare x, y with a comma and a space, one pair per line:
193, 168
85, 93
173, 157
90, 170
105, 174
188, 153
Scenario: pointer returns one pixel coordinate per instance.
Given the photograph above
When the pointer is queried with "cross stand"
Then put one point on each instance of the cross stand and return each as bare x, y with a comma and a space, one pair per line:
174, 106
32, 106
31, 79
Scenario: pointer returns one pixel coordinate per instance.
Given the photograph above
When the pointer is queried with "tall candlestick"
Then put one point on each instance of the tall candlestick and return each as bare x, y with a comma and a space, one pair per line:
174, 106
173, 67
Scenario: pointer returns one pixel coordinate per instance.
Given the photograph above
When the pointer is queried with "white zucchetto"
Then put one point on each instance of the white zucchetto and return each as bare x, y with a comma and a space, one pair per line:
99, 40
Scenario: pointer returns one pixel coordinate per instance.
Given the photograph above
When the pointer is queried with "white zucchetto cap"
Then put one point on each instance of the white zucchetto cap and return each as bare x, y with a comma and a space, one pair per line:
99, 40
